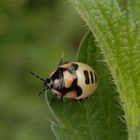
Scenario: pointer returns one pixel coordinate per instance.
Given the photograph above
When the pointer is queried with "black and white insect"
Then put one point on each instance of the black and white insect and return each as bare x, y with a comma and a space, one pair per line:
72, 80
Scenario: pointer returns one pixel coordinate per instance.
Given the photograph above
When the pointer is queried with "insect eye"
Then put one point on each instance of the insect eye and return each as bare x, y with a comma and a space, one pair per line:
47, 83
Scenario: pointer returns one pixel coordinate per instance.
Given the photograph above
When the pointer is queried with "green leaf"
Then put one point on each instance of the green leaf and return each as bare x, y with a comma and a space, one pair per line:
100, 117
117, 34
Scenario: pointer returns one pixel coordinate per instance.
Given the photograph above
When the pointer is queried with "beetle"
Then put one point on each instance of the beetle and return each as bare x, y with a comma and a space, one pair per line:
72, 80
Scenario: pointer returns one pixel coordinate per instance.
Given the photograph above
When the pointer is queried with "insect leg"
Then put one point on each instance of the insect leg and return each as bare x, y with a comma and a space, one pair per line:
53, 99
62, 60
61, 98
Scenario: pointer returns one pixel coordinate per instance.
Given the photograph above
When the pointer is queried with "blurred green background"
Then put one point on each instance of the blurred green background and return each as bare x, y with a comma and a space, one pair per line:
33, 34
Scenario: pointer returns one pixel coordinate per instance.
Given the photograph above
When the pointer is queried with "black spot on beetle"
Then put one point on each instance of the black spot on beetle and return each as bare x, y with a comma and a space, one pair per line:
91, 75
78, 90
57, 74
75, 66
86, 76
74, 87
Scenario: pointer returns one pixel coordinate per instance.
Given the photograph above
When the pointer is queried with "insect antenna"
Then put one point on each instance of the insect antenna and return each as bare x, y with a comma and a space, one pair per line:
37, 76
